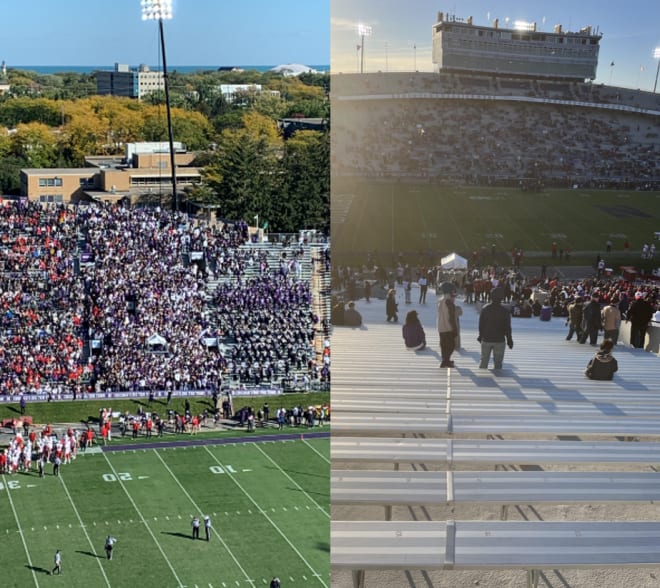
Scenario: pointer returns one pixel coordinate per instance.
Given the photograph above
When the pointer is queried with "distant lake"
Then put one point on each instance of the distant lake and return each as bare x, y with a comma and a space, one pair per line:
87, 69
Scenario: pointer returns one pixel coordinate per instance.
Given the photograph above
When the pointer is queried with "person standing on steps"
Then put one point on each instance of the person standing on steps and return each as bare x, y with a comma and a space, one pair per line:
447, 322
391, 307
611, 316
423, 286
574, 321
592, 321
494, 330
639, 314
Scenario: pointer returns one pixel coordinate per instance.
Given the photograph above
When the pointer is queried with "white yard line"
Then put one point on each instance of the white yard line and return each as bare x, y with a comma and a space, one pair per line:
323, 457
263, 512
20, 532
326, 513
213, 529
139, 512
82, 526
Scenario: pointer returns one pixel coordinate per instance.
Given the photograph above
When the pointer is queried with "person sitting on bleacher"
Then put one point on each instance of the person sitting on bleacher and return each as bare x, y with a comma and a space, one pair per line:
413, 332
602, 365
352, 318
545, 314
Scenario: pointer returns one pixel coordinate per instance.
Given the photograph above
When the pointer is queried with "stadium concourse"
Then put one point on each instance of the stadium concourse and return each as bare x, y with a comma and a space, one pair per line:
543, 376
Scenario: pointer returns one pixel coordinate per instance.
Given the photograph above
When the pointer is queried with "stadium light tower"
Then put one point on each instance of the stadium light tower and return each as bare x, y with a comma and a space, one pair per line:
162, 10
656, 55
363, 31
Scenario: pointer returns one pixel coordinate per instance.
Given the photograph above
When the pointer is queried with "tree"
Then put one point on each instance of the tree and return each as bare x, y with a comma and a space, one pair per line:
190, 128
260, 126
35, 144
86, 133
307, 180
244, 176
26, 110
10, 166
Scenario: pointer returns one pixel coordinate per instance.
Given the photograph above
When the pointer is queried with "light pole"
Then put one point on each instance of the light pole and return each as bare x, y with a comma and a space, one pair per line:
656, 55
162, 10
363, 31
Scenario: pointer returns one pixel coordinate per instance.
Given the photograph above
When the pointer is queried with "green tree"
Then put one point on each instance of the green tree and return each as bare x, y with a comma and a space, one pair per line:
244, 176
26, 110
307, 180
10, 166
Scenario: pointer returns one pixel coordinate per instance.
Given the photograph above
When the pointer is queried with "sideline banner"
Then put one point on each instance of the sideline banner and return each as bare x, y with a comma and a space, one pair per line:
59, 397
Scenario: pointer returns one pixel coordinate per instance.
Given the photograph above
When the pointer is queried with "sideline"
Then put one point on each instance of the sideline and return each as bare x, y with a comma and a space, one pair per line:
217, 441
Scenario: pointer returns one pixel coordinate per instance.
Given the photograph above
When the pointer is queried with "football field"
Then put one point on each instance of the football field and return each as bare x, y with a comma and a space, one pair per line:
268, 502
392, 216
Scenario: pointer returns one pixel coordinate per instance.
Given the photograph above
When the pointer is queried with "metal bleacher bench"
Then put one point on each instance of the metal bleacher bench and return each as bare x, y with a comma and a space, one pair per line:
452, 452
345, 423
502, 488
512, 394
456, 407
474, 545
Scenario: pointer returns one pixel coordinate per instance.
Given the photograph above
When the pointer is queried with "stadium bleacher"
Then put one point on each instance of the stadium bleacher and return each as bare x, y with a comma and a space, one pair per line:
415, 476
146, 308
494, 129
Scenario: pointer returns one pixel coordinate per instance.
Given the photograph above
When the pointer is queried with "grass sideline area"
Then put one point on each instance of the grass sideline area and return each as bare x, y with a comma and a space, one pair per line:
268, 503
392, 216
87, 411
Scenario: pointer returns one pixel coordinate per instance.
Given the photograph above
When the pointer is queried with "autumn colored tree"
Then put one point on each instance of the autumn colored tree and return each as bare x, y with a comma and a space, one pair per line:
35, 144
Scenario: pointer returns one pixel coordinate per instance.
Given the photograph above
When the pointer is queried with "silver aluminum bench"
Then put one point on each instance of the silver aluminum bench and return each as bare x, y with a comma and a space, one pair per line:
504, 395
344, 423
462, 452
502, 488
412, 404
472, 545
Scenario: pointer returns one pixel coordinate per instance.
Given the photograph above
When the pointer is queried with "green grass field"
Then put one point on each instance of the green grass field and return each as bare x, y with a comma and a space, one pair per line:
398, 216
83, 411
268, 502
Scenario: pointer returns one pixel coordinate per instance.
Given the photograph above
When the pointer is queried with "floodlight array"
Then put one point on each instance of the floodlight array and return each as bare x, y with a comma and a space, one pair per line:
364, 30
523, 25
156, 9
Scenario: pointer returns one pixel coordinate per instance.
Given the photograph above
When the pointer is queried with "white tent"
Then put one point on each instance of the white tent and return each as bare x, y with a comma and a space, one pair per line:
454, 261
156, 340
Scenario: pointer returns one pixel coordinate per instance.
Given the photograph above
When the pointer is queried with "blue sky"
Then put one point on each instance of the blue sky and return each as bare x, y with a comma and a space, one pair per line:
202, 32
401, 32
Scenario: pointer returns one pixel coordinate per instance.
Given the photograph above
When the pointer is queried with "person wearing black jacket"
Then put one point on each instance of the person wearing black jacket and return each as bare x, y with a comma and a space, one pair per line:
602, 366
413, 332
639, 314
494, 330
591, 320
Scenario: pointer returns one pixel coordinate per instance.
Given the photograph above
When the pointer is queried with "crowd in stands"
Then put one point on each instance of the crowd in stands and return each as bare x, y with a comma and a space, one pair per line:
271, 324
525, 295
491, 141
107, 298
550, 296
